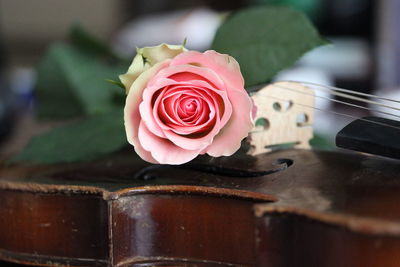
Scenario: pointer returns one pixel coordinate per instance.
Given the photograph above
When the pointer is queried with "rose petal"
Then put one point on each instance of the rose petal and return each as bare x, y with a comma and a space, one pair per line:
228, 141
193, 140
185, 73
137, 67
159, 53
225, 66
144, 154
184, 128
164, 117
183, 110
227, 106
147, 57
163, 150
131, 111
146, 109
154, 123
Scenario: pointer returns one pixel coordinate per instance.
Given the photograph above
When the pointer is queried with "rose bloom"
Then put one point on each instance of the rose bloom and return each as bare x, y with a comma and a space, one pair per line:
184, 103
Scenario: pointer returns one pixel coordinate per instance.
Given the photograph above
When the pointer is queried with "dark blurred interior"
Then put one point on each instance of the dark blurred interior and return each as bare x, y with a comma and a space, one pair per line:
365, 55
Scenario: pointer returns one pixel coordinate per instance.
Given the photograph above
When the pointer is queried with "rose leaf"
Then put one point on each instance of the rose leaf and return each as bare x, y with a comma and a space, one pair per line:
84, 140
89, 43
265, 40
117, 83
70, 83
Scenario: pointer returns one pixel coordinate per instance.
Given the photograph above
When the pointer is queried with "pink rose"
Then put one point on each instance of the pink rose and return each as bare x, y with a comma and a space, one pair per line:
188, 104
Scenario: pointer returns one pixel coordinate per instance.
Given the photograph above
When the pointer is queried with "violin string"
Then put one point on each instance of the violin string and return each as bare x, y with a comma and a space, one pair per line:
337, 101
360, 99
333, 88
328, 111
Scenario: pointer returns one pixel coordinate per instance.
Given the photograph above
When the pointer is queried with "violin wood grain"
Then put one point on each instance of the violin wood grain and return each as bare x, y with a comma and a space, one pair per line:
326, 209
194, 229
42, 228
292, 240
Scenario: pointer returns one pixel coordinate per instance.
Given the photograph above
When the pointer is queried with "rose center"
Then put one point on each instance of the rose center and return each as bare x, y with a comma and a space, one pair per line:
189, 106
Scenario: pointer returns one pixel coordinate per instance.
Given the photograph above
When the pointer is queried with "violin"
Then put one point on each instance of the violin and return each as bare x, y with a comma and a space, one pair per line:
286, 207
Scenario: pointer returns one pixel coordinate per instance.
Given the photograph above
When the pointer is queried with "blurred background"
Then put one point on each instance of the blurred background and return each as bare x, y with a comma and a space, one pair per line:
365, 55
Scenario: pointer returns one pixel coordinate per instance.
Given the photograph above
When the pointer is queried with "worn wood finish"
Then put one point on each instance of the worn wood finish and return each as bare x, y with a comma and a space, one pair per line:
36, 227
185, 227
291, 240
325, 206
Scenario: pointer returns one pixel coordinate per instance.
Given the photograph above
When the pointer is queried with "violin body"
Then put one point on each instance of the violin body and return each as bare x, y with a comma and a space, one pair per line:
322, 209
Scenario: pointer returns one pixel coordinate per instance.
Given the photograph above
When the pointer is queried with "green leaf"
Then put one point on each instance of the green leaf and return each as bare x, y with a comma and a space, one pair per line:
322, 142
117, 83
265, 40
70, 83
83, 40
54, 95
81, 141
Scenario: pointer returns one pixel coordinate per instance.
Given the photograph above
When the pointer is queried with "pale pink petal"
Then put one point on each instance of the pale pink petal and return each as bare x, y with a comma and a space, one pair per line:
132, 117
225, 66
212, 106
149, 112
162, 150
238, 127
224, 95
166, 115
146, 109
206, 120
185, 73
197, 143
165, 109
227, 107
144, 154
184, 107
198, 140
254, 110
169, 110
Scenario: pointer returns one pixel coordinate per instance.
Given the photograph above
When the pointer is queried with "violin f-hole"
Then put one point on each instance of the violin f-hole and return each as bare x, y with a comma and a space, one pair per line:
149, 173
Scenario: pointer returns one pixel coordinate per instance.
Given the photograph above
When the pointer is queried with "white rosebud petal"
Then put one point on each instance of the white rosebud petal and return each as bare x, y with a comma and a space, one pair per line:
147, 57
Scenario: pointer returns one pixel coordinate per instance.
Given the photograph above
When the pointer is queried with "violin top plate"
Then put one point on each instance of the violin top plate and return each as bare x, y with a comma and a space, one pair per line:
355, 190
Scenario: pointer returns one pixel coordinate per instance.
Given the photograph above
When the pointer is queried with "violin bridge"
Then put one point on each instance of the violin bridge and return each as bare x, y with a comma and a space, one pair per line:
285, 114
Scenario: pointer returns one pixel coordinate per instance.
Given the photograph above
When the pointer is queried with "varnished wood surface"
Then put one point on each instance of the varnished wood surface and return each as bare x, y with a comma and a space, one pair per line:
291, 240
325, 205
329, 182
183, 227
44, 223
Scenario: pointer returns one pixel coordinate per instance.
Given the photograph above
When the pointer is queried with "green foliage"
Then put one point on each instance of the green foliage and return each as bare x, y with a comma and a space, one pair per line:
88, 43
117, 83
56, 98
82, 141
265, 40
71, 81
322, 142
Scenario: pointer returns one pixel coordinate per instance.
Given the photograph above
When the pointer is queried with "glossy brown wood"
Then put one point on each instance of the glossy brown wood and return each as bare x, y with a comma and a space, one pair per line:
290, 240
185, 227
325, 206
41, 228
